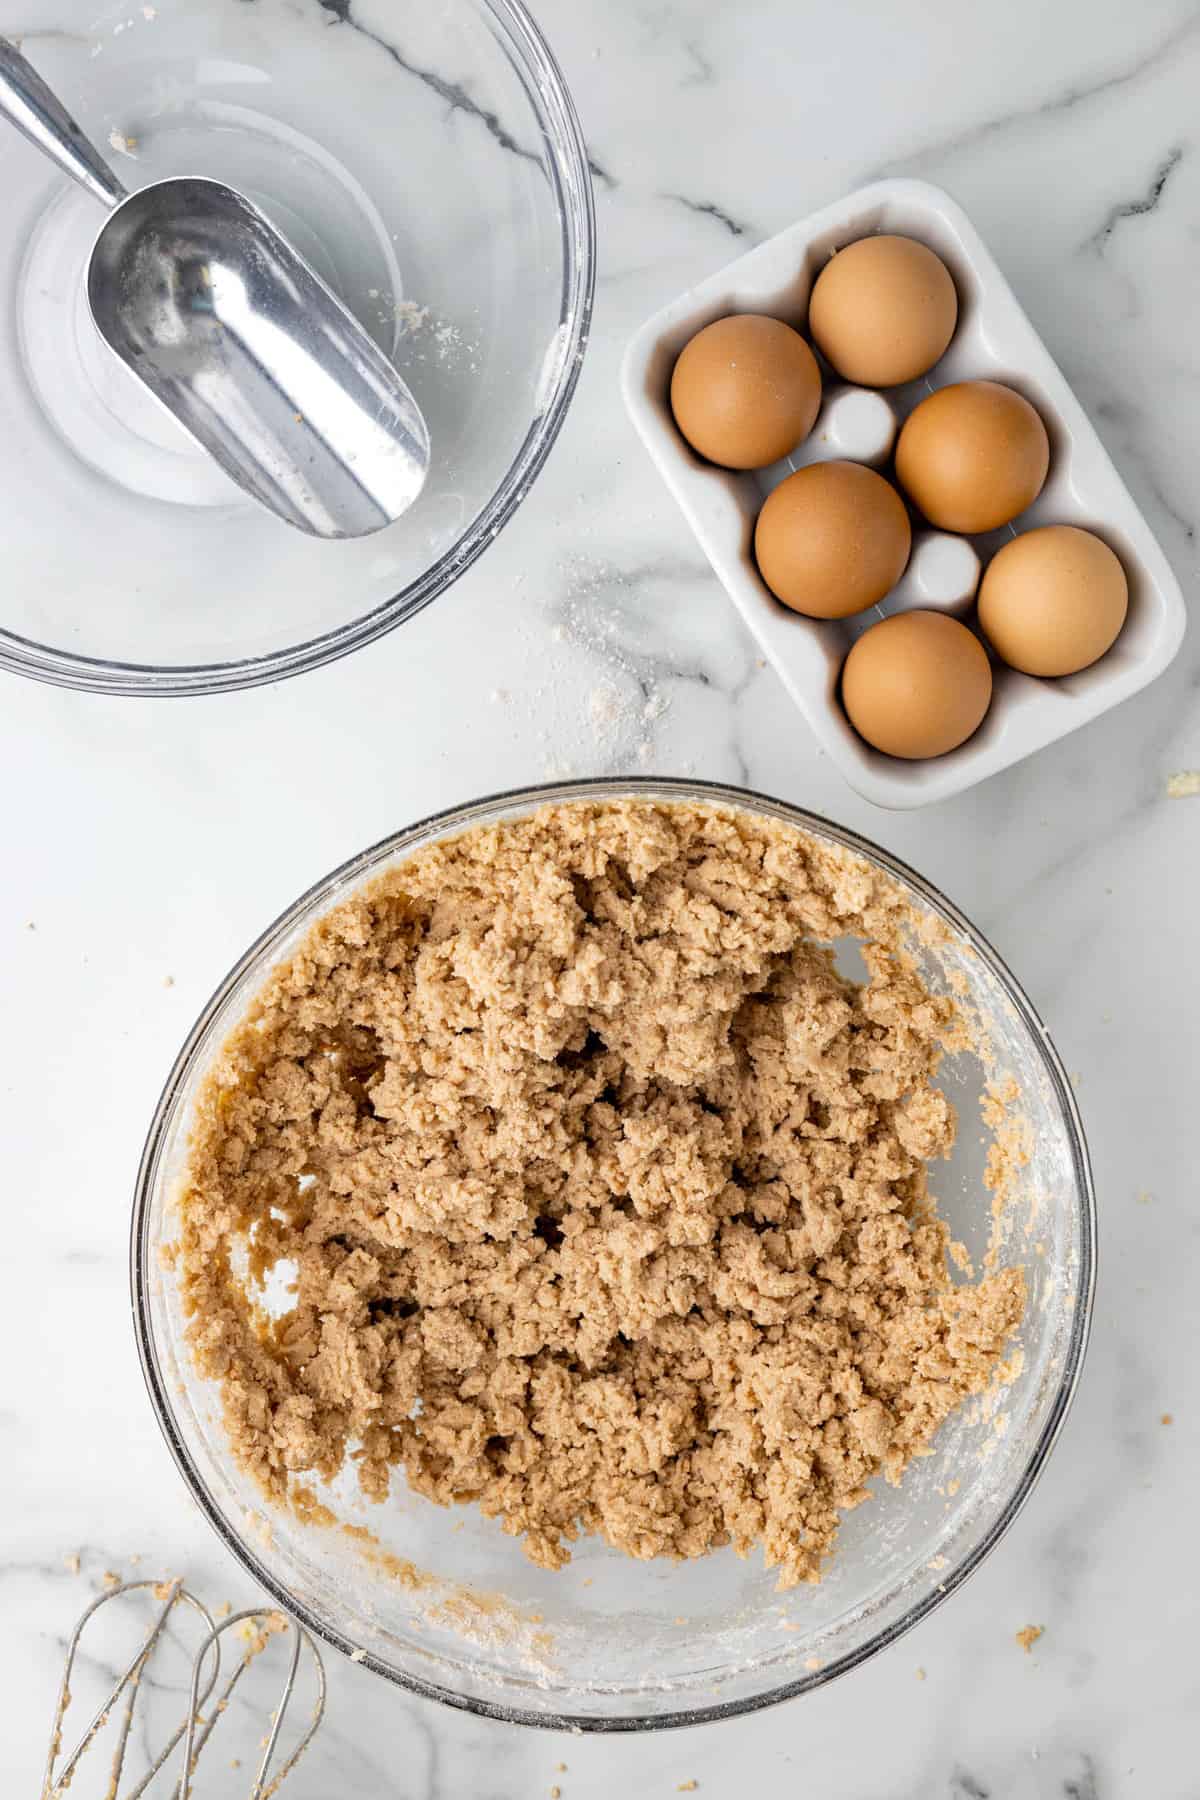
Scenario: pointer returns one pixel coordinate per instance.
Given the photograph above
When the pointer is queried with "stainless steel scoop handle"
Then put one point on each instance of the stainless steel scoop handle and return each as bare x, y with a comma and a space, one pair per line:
39, 115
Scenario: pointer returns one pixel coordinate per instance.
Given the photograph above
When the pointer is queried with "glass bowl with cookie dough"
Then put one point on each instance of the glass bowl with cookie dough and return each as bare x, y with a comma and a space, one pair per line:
614, 1255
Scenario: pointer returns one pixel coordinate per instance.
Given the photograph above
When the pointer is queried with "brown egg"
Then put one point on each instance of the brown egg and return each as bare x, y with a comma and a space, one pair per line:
917, 685
1053, 600
883, 310
973, 456
746, 391
832, 540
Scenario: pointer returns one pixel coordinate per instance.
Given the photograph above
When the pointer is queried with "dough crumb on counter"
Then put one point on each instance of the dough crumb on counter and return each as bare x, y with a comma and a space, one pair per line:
1028, 1636
1184, 784
71, 1562
602, 1194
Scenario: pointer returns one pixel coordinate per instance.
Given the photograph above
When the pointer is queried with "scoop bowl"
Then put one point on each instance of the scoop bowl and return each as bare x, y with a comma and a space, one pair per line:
241, 340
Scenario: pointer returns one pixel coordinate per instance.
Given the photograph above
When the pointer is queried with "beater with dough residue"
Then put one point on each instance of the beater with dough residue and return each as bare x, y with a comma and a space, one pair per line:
258, 1627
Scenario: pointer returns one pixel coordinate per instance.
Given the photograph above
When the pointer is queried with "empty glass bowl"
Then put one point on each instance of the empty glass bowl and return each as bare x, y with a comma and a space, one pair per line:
608, 1643
427, 160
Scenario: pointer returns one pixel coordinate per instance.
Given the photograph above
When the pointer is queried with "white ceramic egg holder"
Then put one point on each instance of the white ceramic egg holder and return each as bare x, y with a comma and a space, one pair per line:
994, 339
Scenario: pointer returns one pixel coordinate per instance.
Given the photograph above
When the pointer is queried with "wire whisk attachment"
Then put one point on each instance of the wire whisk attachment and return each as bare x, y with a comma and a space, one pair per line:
257, 1628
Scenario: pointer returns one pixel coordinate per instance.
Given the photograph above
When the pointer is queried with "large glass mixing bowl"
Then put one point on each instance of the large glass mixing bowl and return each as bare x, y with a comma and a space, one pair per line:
427, 160
610, 1644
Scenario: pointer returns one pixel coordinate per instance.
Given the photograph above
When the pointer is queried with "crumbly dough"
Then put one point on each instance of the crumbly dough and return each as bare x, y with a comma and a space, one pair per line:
603, 1193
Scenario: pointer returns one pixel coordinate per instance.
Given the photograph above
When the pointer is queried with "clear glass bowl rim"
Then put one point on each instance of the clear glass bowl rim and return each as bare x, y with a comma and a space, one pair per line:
570, 170
494, 807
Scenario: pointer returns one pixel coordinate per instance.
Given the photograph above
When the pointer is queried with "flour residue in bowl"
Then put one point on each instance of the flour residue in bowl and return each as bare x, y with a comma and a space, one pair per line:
425, 335
477, 1615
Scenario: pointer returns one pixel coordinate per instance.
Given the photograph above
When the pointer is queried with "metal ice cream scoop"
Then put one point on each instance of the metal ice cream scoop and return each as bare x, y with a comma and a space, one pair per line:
199, 295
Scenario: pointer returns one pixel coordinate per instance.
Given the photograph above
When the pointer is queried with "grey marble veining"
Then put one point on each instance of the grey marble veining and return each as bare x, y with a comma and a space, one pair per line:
452, 92
592, 638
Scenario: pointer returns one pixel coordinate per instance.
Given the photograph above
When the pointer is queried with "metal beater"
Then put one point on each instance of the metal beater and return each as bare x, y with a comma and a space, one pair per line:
197, 1724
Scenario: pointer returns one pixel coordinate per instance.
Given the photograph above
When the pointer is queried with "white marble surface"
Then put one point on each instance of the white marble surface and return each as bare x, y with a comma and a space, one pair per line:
147, 843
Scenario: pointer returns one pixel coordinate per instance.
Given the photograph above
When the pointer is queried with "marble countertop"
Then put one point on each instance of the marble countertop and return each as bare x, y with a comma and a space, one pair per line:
593, 639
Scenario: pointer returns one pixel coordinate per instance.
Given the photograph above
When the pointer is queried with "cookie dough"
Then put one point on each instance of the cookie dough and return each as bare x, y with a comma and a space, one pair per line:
602, 1192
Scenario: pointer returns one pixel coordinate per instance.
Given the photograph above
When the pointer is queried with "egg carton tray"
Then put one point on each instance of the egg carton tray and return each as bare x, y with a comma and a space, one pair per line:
995, 340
